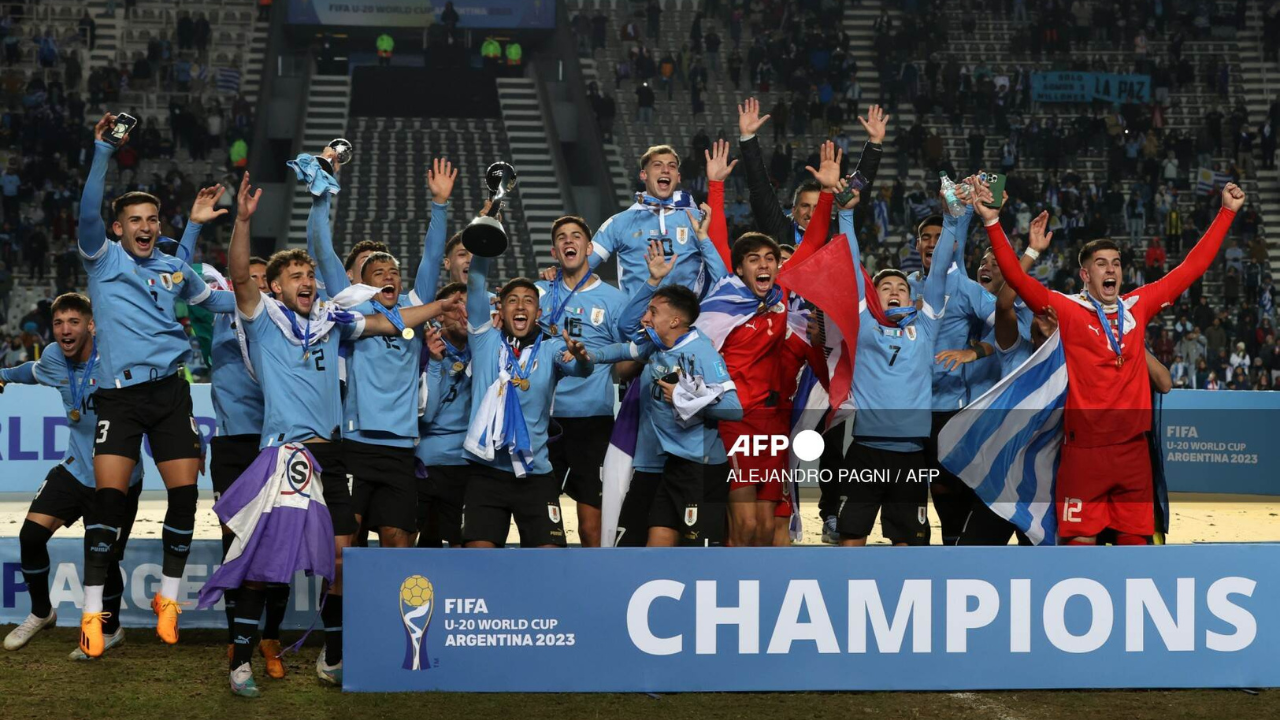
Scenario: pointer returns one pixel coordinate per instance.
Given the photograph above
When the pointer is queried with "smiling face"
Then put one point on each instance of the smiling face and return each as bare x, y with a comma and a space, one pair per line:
663, 318
571, 247
138, 227
989, 275
295, 286
893, 292
520, 312
661, 175
72, 330
926, 242
384, 275
1101, 275
802, 210
457, 263
758, 270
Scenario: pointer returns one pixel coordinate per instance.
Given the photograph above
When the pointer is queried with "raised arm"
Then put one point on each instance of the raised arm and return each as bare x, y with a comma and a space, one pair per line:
440, 180
718, 169
1168, 288
935, 285
24, 374
320, 246
875, 124
768, 214
248, 297
91, 231
714, 259
478, 294
828, 174
203, 212
413, 316
1036, 296
1006, 315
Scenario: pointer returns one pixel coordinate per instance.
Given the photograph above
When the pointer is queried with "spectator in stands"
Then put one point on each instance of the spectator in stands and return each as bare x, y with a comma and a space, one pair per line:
667, 72
644, 104
202, 33
10, 185
653, 16
1239, 362
88, 29
599, 30
186, 31
735, 68
13, 353
6, 287
35, 253
1178, 372
1267, 141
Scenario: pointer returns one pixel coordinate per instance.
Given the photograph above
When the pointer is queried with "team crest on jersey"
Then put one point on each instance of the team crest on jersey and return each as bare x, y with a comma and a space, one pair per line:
553, 512
911, 332
635, 234
690, 515
682, 235
597, 315
166, 280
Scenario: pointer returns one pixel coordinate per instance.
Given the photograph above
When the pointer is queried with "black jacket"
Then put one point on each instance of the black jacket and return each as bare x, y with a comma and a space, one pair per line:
769, 215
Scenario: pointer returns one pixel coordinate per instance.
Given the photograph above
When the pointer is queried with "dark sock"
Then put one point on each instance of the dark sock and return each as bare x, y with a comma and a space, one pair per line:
331, 615
248, 615
179, 524
101, 537
33, 541
229, 597
111, 596
277, 604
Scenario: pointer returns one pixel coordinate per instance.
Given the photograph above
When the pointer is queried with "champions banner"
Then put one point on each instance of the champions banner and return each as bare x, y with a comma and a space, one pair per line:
1050, 87
141, 580
766, 619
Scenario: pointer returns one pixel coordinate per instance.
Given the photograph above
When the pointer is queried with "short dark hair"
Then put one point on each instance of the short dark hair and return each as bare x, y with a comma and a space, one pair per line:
569, 220
1094, 246
513, 284
71, 302
378, 256
888, 273
255, 260
804, 187
364, 246
749, 243
450, 290
786, 247
137, 197
283, 259
454, 242
928, 222
682, 299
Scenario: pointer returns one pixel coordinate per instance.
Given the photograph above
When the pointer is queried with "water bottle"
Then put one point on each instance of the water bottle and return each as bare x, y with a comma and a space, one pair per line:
955, 208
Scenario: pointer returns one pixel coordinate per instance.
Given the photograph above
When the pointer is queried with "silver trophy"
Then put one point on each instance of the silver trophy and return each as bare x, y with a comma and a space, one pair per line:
485, 236
343, 151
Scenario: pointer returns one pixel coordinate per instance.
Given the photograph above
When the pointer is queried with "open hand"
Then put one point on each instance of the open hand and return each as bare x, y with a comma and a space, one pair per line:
749, 120
202, 211
874, 123
952, 359
718, 165
1038, 239
246, 200
828, 172
659, 266
440, 180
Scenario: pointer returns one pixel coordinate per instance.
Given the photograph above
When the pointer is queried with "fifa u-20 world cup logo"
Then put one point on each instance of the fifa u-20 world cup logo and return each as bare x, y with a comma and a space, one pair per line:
417, 600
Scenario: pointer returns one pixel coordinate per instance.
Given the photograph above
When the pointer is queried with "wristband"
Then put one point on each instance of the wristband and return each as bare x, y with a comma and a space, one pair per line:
1032, 253
744, 138
993, 221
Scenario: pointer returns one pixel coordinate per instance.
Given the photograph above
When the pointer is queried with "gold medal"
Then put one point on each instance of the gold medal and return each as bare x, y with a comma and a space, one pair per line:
407, 333
522, 383
74, 415
458, 366
177, 278
555, 329
1119, 361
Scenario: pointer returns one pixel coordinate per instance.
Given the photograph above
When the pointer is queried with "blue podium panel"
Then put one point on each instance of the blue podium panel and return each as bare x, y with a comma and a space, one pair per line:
938, 618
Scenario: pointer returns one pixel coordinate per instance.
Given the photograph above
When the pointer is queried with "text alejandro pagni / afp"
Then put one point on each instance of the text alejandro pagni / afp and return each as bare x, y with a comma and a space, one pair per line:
969, 605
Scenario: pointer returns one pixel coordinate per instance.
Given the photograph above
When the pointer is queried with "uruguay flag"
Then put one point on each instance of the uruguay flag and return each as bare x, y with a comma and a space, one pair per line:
1005, 445
616, 471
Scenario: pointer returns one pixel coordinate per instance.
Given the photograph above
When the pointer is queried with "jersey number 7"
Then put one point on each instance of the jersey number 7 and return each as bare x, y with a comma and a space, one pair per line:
896, 349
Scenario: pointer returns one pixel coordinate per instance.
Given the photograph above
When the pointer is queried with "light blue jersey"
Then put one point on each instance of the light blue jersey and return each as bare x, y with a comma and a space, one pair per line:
987, 371
300, 388
55, 371
237, 397
545, 370
381, 406
139, 336
591, 317
661, 433
444, 425
627, 235
892, 376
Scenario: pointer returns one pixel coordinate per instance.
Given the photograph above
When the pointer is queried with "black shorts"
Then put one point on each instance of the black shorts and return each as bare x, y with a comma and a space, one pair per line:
384, 491
633, 518
159, 409
63, 497
890, 484
494, 496
337, 485
445, 489
229, 457
952, 498
578, 454
713, 516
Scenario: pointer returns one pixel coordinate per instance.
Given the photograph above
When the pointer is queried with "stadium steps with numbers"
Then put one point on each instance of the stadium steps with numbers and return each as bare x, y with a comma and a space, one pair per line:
327, 102
538, 188
1261, 81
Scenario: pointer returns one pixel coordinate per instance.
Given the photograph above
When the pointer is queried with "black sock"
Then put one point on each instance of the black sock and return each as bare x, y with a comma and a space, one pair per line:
179, 524
111, 596
248, 615
331, 615
33, 541
229, 597
101, 537
277, 604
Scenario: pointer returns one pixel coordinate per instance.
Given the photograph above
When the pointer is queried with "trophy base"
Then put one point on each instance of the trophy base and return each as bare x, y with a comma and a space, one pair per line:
485, 237
325, 164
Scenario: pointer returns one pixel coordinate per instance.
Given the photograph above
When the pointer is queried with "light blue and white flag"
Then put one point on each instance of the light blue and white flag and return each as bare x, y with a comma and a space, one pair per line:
729, 304
1005, 445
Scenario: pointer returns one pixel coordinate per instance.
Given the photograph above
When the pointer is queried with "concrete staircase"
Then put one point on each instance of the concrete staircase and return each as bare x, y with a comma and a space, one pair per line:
620, 167
858, 23
1261, 81
538, 188
327, 103
251, 84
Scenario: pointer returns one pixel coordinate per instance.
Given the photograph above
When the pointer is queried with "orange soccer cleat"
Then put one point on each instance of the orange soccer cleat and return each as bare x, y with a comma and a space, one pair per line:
270, 650
167, 612
92, 643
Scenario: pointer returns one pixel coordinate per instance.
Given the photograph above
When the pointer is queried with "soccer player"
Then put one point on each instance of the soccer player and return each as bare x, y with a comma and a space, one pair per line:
380, 427
588, 309
891, 389
68, 490
745, 317
293, 361
457, 260
140, 346
1104, 476
443, 428
790, 229
517, 366
656, 216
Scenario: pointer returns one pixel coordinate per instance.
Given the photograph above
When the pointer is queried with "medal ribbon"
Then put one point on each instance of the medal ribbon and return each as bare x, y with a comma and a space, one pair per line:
458, 356
78, 389
304, 336
390, 313
1106, 325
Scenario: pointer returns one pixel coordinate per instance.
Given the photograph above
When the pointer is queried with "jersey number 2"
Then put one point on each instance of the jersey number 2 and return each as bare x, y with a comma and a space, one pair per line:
319, 358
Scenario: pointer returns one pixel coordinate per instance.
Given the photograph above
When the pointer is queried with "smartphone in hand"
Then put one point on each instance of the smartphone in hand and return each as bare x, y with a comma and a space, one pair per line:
125, 123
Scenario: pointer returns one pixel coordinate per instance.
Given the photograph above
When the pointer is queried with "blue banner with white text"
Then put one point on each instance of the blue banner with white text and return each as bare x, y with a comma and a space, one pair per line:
1051, 87
945, 618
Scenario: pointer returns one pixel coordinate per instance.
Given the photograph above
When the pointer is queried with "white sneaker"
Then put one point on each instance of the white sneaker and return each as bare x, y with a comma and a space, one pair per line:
110, 641
242, 683
21, 635
328, 674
